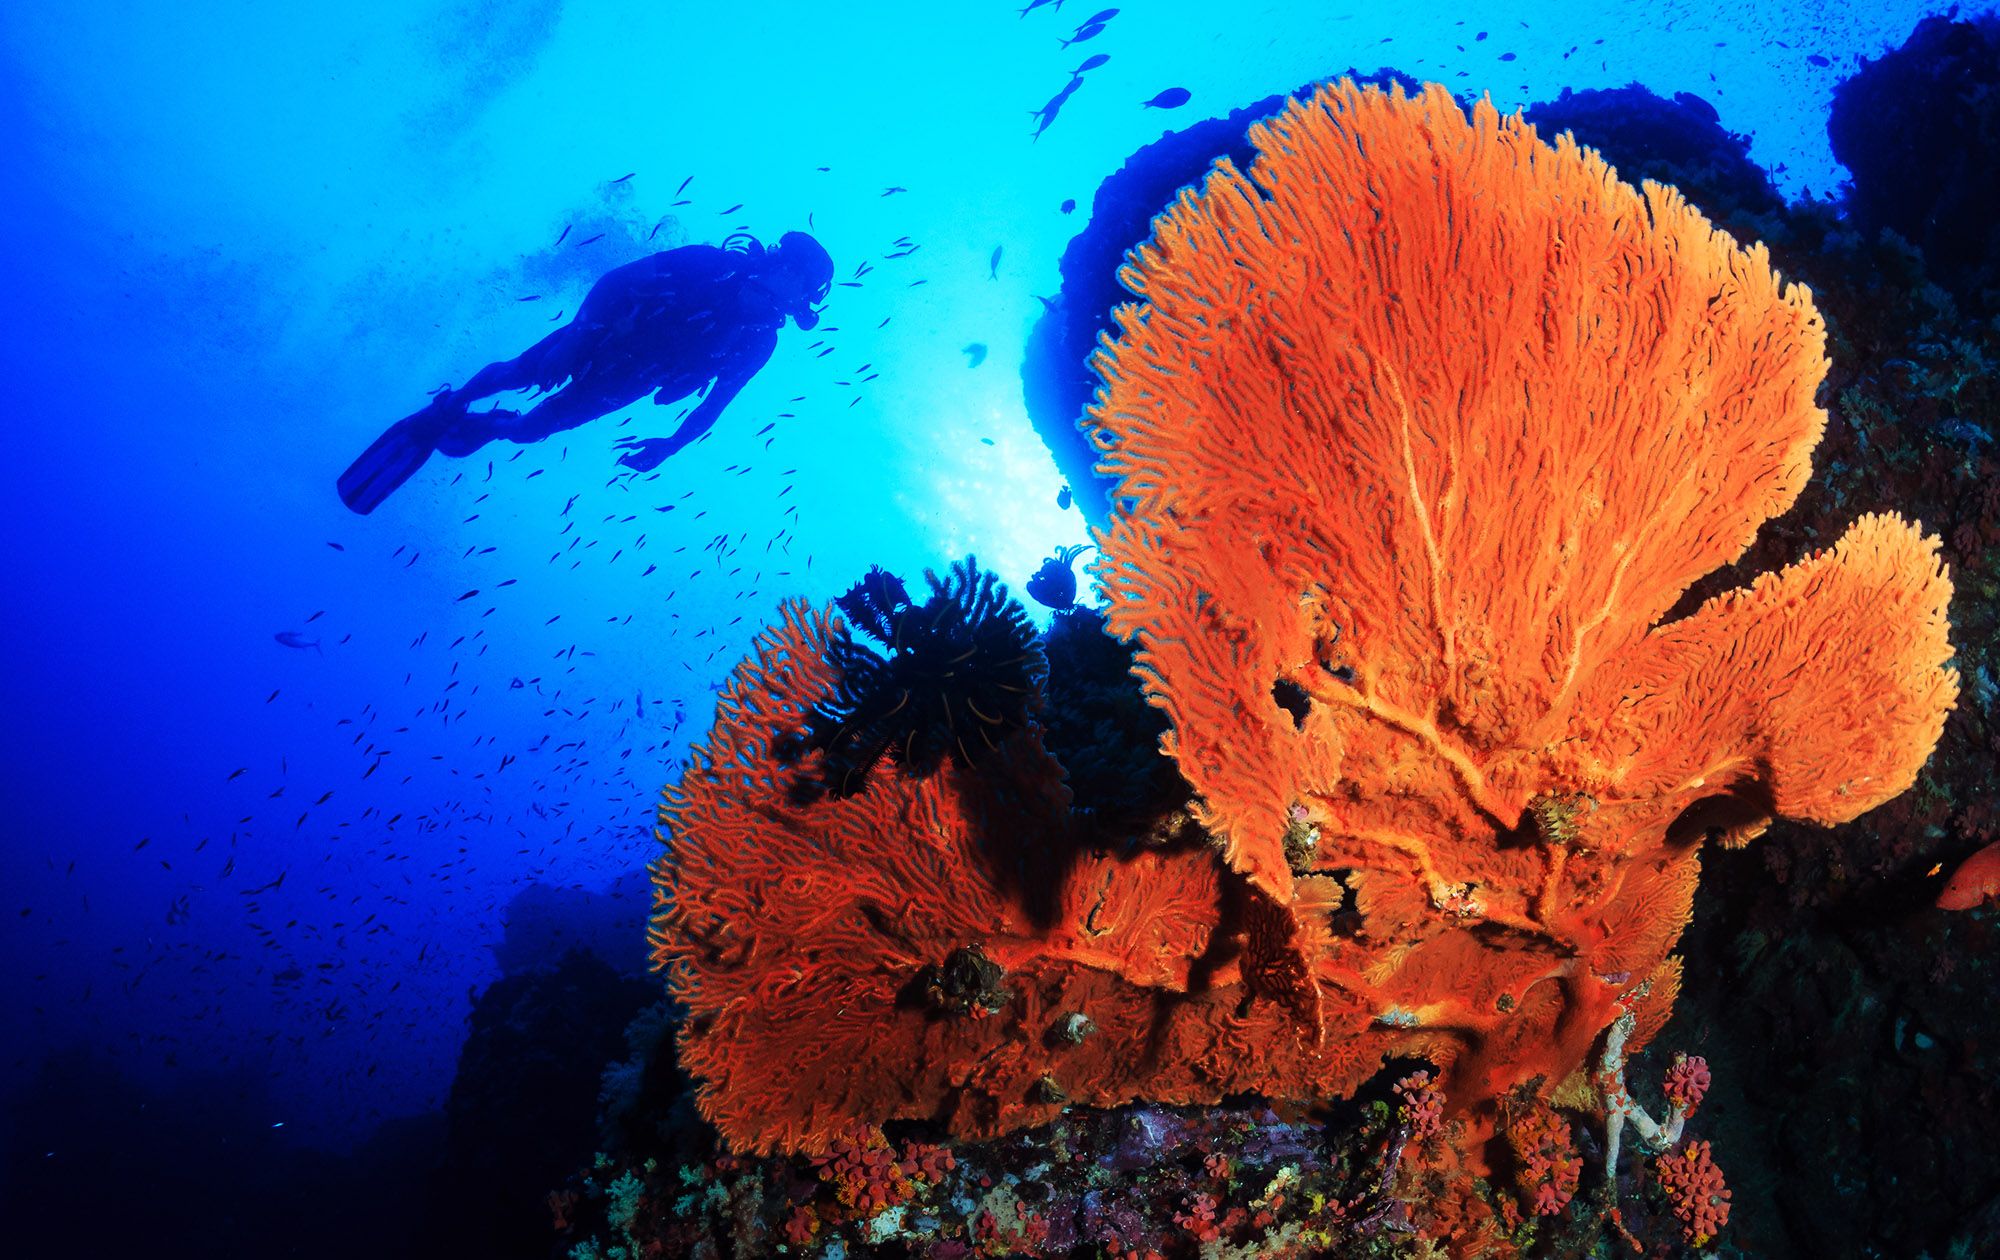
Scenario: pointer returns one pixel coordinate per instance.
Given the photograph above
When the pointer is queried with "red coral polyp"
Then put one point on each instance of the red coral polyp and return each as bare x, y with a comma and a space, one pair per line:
864, 1173
1686, 1082
1422, 1105
1547, 1166
1695, 1190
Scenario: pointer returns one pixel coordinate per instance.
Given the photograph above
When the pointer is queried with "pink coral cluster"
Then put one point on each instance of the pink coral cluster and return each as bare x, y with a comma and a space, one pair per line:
1549, 1165
1423, 1105
863, 1173
1695, 1188
1018, 1231
801, 1225
867, 1174
1199, 1220
927, 1160
1686, 1082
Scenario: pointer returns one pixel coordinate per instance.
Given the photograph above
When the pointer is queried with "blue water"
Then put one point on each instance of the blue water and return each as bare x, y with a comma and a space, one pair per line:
241, 240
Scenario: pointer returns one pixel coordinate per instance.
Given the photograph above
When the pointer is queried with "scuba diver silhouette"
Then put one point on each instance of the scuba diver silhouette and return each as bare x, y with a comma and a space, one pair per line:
666, 325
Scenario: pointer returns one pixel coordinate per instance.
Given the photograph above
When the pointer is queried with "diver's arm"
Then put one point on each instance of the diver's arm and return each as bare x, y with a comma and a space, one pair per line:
729, 382
648, 453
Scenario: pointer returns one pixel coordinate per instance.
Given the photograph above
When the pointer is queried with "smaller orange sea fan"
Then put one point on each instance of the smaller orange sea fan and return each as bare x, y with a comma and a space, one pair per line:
917, 950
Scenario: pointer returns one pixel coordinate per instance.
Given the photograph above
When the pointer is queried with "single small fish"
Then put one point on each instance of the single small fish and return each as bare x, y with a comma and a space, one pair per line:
1054, 584
1093, 62
975, 354
1817, 60
565, 233
1063, 499
732, 210
622, 178
1036, 4
1047, 113
1091, 31
1172, 98
1098, 18
993, 264
293, 639
587, 240
684, 186
1975, 882
886, 192
1069, 205
1689, 101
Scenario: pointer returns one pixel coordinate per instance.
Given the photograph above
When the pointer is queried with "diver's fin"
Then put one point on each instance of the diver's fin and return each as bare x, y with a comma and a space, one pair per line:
392, 460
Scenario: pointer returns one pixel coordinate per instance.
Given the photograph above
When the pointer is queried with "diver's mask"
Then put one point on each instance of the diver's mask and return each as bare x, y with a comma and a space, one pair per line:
812, 271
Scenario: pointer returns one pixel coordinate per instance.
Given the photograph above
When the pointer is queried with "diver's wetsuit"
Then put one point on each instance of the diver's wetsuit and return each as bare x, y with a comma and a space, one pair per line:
666, 325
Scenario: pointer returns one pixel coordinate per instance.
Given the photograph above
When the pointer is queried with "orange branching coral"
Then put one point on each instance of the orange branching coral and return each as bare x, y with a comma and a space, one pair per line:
1424, 425
915, 950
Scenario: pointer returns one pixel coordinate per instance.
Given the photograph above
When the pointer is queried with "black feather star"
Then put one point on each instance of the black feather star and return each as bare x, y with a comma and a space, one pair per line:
952, 678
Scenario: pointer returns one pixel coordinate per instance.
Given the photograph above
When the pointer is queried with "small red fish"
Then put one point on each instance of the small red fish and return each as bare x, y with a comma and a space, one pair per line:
1976, 880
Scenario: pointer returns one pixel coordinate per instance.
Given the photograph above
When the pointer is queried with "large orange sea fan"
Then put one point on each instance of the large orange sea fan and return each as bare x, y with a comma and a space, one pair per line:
1422, 426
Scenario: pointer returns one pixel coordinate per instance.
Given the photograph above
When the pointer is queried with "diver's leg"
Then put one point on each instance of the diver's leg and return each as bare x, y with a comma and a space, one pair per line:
576, 403
544, 365
445, 426
395, 457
